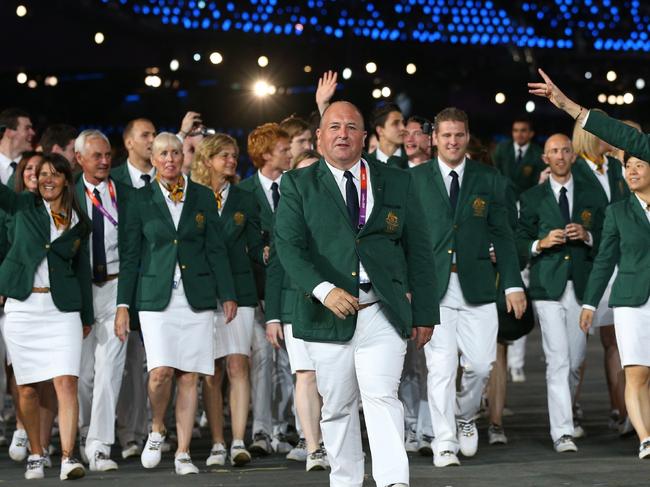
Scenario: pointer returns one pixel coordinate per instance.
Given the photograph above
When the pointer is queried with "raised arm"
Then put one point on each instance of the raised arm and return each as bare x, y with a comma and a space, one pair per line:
325, 90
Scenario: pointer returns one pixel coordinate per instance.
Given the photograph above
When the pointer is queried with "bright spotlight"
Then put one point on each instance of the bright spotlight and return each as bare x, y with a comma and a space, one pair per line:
376, 93
588, 75
263, 61
307, 69
99, 38
530, 106
620, 100
640, 84
602, 98
611, 76
51, 81
216, 58
21, 10
371, 67
21, 78
196, 57
32, 83
628, 98
261, 88
411, 68
174, 65
500, 98
347, 73
611, 99
385, 92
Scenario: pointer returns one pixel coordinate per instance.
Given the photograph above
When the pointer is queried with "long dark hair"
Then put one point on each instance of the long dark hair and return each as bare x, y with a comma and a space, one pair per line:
61, 166
19, 180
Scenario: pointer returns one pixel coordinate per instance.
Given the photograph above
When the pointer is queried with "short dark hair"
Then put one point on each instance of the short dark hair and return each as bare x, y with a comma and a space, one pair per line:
58, 134
627, 156
9, 118
380, 114
451, 114
421, 121
294, 126
523, 119
129, 126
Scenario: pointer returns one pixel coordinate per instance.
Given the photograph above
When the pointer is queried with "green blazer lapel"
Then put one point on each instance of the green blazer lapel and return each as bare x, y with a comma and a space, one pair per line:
377, 183
327, 178
159, 199
81, 195
638, 213
436, 176
466, 189
188, 204
42, 220
261, 195
553, 206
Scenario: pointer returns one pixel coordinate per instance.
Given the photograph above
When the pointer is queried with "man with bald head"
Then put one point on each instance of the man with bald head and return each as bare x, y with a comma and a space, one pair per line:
352, 236
558, 233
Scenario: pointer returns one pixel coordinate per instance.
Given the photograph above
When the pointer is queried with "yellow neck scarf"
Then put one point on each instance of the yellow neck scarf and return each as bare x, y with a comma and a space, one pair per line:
176, 190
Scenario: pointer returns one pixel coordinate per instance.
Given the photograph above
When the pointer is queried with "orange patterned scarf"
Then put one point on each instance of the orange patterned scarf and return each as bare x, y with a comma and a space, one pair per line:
176, 190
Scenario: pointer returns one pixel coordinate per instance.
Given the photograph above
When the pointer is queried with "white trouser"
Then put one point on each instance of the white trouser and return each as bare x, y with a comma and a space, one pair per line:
132, 403
282, 390
3, 375
102, 366
564, 346
369, 366
517, 353
424, 426
261, 376
472, 331
410, 386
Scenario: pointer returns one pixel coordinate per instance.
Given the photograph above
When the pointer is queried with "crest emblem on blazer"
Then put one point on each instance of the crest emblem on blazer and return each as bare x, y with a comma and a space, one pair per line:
75, 245
392, 222
585, 216
527, 170
479, 206
239, 218
200, 220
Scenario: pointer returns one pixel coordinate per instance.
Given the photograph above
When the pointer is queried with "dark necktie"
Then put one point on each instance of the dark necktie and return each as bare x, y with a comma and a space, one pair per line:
146, 178
454, 189
351, 199
275, 195
564, 206
520, 155
99, 251
13, 165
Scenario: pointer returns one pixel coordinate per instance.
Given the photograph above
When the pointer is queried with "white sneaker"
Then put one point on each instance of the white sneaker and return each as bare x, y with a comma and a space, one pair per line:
35, 468
411, 441
261, 444
446, 459
183, 464
467, 437
82, 450
316, 460
517, 375
299, 452
565, 444
280, 444
18, 447
47, 460
100, 462
625, 427
424, 446
151, 453
71, 469
578, 430
203, 421
496, 435
239, 455
217, 455
133, 449
644, 449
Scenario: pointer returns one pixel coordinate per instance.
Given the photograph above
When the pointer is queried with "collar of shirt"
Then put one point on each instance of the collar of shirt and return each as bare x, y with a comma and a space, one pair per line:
136, 173
384, 157
73, 221
445, 170
555, 186
266, 182
524, 148
339, 173
101, 187
644, 205
224, 193
4, 160
165, 192
594, 167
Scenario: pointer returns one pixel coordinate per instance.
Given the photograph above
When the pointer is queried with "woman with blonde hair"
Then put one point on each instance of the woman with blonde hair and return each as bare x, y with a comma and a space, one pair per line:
214, 166
175, 263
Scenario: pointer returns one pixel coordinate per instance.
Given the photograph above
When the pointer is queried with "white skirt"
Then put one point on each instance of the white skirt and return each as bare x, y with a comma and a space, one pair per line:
604, 315
298, 356
2, 334
42, 341
235, 337
178, 336
632, 327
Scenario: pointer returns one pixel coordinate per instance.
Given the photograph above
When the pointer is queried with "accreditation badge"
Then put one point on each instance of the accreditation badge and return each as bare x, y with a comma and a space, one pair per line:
392, 222
239, 218
479, 206
586, 217
200, 221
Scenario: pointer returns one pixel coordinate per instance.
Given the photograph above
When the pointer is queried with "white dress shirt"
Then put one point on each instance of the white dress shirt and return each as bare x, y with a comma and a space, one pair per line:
556, 188
266, 186
110, 230
381, 157
42, 276
602, 178
135, 174
321, 291
524, 149
6, 171
175, 209
644, 206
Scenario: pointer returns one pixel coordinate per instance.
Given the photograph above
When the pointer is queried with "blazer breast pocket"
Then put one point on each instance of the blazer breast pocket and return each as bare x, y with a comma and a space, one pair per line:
480, 205
392, 219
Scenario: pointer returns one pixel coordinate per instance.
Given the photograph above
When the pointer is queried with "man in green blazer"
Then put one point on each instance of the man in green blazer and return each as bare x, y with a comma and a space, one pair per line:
103, 354
519, 158
270, 150
558, 233
137, 170
388, 123
466, 212
353, 238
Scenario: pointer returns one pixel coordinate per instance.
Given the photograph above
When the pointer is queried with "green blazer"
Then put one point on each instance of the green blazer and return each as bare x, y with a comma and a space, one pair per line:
67, 258
400, 162
619, 134
280, 292
316, 242
625, 242
481, 218
617, 185
552, 268
523, 175
241, 226
252, 185
121, 175
153, 246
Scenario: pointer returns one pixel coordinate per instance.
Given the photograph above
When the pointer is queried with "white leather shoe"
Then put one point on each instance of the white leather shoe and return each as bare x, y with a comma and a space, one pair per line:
565, 444
18, 447
183, 464
71, 469
217, 456
34, 469
100, 462
446, 459
467, 437
151, 453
